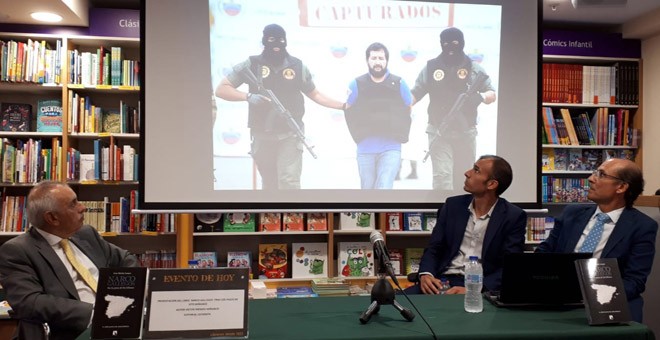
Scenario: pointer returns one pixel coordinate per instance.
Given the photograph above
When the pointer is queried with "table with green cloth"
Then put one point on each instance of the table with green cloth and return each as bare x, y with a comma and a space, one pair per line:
338, 318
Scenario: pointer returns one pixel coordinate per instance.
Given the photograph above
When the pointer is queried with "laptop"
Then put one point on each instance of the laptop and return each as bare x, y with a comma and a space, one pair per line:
539, 279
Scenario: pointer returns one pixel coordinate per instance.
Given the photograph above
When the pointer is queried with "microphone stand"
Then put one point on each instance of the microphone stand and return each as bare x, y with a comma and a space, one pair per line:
383, 294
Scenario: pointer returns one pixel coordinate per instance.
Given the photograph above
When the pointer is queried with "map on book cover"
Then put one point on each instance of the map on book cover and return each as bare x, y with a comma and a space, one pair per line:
49, 115
309, 260
603, 293
118, 312
16, 117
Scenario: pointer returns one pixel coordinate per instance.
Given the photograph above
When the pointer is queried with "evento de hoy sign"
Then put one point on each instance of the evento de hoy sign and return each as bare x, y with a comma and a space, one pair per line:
590, 44
193, 303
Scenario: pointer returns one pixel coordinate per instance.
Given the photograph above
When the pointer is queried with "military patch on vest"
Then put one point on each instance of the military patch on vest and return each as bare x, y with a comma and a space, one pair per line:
462, 73
438, 75
288, 73
265, 71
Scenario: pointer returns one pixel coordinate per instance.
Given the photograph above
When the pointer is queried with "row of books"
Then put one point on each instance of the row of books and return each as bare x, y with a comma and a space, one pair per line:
19, 117
105, 67
557, 159
604, 128
410, 221
109, 162
31, 61
538, 228
86, 117
164, 258
30, 161
310, 260
586, 84
564, 190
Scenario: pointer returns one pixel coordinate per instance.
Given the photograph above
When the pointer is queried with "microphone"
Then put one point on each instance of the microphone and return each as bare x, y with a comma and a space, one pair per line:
380, 249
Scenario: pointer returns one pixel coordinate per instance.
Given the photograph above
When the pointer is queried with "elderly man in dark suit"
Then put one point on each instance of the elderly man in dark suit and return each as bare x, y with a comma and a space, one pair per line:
479, 224
612, 228
51, 271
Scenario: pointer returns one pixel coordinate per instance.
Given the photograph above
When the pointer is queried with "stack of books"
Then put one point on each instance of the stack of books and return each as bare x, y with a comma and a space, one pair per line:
328, 286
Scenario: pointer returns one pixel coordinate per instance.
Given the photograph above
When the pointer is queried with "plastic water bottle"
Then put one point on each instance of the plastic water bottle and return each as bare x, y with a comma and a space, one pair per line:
193, 264
474, 277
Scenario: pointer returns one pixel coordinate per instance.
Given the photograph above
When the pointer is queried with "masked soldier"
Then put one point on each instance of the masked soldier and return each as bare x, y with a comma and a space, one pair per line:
445, 78
276, 149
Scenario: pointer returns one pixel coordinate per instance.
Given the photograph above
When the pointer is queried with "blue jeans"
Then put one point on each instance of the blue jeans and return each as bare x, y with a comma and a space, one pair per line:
378, 170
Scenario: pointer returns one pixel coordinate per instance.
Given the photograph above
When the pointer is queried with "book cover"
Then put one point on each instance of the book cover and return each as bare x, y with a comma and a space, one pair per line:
591, 158
111, 121
356, 221
355, 259
49, 115
396, 258
547, 159
394, 221
430, 218
602, 291
16, 117
240, 259
609, 154
295, 292
317, 221
309, 260
273, 262
118, 311
561, 159
293, 222
270, 222
206, 259
238, 222
575, 160
412, 221
87, 162
411, 259
207, 222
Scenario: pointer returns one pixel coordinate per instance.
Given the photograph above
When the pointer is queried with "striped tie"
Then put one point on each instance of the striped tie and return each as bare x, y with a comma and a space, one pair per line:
592, 239
82, 271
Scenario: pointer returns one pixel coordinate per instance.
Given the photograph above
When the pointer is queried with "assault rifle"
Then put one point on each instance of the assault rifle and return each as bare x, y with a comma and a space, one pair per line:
456, 110
279, 109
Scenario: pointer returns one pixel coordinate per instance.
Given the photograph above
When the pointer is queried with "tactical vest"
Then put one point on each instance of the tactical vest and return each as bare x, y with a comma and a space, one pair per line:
286, 83
446, 83
379, 110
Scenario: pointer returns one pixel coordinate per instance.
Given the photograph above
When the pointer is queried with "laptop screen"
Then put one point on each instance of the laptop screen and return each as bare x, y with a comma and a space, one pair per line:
541, 278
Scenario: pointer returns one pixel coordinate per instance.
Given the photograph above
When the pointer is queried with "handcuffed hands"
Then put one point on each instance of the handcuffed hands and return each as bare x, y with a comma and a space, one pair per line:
257, 99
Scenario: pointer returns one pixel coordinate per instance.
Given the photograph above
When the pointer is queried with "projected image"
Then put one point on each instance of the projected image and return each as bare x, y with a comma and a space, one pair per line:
319, 94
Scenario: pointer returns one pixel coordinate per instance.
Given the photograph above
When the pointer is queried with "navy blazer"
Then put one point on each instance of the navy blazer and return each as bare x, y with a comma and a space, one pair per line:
505, 234
632, 243
39, 288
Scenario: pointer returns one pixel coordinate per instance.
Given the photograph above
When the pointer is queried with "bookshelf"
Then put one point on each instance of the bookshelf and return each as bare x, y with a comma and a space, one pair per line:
590, 112
95, 80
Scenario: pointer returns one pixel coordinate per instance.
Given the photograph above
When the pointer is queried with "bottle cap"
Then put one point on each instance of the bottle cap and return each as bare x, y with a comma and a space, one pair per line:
474, 258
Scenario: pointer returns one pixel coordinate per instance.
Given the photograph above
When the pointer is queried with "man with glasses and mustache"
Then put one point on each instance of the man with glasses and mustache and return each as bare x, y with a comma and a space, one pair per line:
612, 228
378, 118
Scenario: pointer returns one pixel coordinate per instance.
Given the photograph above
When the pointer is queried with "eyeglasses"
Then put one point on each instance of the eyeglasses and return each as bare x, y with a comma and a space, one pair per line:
598, 173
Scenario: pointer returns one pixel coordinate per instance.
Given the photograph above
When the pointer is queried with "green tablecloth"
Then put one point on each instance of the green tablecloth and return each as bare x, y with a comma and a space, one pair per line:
338, 318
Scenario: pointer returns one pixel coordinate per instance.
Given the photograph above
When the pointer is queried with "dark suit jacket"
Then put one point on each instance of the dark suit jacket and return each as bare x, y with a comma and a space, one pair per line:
632, 242
39, 288
505, 234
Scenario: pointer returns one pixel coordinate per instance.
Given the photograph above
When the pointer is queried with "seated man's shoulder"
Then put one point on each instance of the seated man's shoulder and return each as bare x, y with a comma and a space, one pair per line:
642, 218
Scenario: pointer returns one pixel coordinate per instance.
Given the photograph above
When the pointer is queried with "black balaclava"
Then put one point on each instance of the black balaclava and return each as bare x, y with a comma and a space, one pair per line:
452, 54
277, 32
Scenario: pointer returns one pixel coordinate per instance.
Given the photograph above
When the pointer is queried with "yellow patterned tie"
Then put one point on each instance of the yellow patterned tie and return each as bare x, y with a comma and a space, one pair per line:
82, 271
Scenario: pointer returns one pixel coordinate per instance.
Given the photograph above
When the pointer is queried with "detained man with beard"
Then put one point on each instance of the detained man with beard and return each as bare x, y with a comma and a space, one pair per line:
445, 78
378, 118
275, 148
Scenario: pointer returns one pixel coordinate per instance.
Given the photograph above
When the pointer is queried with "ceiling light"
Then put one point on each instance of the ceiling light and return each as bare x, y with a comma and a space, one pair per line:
46, 17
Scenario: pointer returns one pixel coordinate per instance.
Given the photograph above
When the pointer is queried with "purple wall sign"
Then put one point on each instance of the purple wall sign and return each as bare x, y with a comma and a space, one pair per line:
590, 44
105, 22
